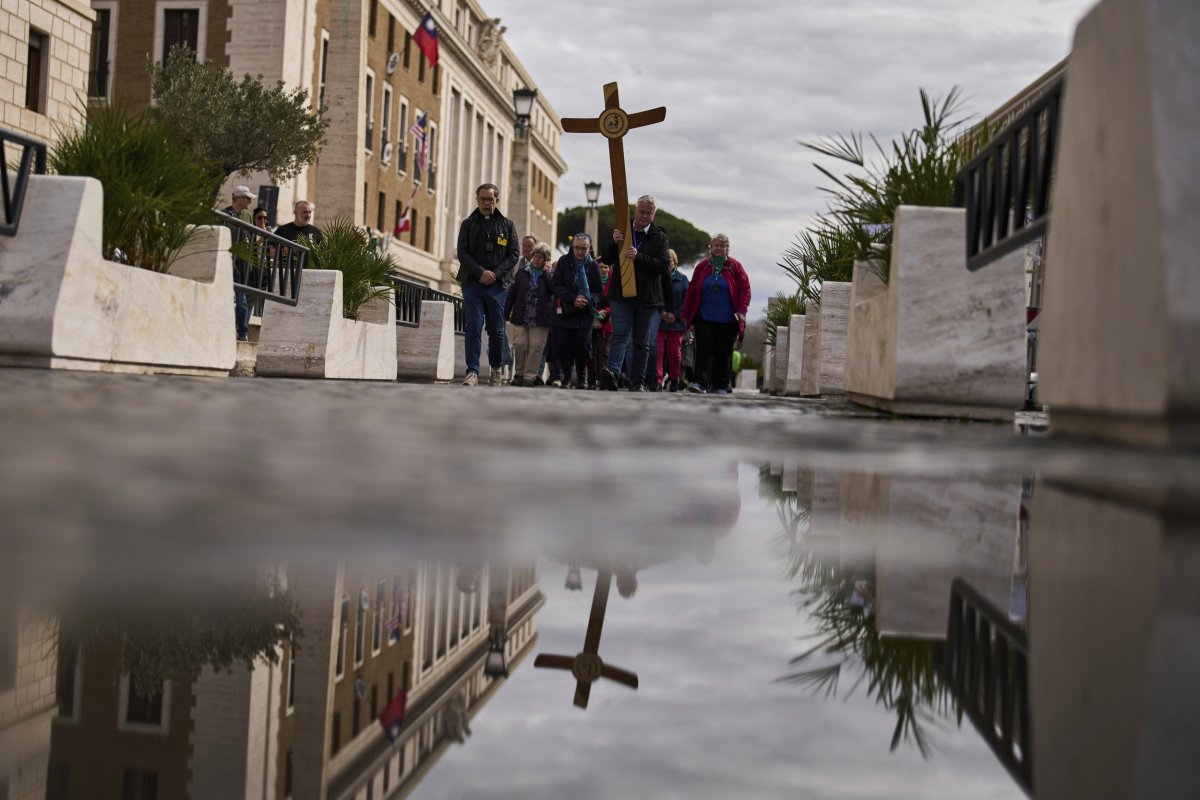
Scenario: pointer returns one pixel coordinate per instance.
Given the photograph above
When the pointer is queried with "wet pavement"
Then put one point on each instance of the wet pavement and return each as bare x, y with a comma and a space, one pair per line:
781, 583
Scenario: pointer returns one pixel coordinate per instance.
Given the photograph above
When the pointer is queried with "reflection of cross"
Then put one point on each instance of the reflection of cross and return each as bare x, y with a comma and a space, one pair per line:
614, 124
587, 667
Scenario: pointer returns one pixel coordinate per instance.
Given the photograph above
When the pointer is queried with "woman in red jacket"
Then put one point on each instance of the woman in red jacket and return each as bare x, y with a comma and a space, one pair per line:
715, 305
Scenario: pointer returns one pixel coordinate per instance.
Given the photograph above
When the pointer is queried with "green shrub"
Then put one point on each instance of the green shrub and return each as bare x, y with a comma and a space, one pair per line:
366, 272
781, 312
153, 192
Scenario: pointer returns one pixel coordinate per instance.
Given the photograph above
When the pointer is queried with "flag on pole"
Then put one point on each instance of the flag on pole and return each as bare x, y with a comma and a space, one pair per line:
420, 132
402, 226
392, 717
426, 38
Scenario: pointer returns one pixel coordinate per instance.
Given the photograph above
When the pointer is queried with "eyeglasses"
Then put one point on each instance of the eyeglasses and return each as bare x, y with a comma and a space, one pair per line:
260, 216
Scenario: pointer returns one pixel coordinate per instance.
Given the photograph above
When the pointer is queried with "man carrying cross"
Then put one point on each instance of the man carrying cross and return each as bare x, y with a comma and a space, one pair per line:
635, 320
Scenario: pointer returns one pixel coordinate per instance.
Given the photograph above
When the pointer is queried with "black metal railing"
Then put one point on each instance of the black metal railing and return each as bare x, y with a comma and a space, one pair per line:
410, 295
29, 159
985, 664
98, 82
1006, 188
265, 266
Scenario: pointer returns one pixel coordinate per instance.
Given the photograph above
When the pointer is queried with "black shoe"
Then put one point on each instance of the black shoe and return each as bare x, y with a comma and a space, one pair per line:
672, 386
652, 387
517, 381
538, 381
623, 381
638, 388
607, 382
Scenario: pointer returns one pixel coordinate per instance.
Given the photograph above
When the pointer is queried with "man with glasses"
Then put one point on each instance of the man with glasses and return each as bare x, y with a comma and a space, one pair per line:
635, 320
487, 254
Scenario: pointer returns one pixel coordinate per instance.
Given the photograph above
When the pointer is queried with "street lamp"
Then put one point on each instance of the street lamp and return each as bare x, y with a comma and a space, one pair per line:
523, 100
592, 190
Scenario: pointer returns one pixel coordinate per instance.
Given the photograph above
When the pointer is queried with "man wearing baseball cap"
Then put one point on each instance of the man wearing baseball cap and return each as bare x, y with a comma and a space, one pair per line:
242, 198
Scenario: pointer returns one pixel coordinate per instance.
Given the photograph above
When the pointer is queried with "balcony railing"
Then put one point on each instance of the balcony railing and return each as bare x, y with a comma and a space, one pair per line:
28, 157
265, 266
1006, 188
986, 667
98, 82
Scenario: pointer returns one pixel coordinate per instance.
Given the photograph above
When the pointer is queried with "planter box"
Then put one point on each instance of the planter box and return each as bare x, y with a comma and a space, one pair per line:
747, 381
1120, 325
426, 353
795, 356
314, 340
768, 368
63, 306
937, 340
825, 342
779, 381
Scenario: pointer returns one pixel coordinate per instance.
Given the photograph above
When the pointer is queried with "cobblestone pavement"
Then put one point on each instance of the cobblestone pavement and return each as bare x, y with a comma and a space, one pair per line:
125, 463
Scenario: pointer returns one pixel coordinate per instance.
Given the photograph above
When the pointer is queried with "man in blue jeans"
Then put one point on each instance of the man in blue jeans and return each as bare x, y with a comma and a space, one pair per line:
635, 320
487, 252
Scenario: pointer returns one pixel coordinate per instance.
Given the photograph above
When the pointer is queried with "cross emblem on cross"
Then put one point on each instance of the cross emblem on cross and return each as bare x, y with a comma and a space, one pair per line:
587, 666
614, 123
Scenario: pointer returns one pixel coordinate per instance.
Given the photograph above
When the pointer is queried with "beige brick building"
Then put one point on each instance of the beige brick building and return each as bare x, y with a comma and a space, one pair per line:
27, 700
45, 47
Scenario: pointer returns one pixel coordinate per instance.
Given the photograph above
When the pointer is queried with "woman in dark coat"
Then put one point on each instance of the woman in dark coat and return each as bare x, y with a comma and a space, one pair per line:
577, 290
528, 308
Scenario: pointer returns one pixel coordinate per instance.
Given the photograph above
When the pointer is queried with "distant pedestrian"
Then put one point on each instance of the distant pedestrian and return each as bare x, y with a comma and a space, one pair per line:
487, 253
242, 197
528, 308
601, 331
715, 306
577, 289
301, 227
259, 217
670, 332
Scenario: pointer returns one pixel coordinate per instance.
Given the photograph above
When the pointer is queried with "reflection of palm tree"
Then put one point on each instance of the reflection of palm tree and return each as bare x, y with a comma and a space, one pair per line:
900, 674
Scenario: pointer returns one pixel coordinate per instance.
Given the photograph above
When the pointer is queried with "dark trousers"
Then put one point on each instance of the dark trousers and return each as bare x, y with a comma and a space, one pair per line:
574, 349
714, 353
599, 360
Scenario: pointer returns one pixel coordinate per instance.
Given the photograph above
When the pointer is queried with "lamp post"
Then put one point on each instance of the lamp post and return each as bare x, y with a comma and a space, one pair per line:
518, 204
591, 222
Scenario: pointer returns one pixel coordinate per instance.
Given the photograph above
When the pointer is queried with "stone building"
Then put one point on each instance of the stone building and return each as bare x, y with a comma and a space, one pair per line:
358, 62
45, 46
305, 727
27, 699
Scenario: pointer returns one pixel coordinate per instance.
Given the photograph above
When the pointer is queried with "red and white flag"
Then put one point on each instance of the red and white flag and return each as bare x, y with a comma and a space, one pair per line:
403, 225
426, 38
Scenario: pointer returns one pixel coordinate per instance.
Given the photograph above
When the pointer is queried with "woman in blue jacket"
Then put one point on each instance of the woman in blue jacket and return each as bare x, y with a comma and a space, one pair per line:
577, 290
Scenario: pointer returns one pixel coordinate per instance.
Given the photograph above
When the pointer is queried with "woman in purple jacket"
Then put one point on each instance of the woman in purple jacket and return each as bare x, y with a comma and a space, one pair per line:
715, 305
528, 307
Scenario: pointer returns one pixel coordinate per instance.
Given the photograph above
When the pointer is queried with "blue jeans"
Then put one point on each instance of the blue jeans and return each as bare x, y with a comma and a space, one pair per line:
638, 325
624, 316
483, 304
241, 315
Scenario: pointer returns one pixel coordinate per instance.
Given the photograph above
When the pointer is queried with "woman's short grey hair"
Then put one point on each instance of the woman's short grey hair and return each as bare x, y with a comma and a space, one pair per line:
722, 238
542, 249
673, 256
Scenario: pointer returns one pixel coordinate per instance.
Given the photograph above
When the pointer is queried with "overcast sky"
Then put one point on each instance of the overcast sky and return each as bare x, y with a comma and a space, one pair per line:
742, 82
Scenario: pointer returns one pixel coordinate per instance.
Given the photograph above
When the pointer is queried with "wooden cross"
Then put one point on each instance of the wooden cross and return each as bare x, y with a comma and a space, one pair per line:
587, 667
614, 123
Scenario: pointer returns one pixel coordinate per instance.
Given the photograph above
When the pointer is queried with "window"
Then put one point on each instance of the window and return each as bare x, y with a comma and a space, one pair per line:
98, 65
377, 635
381, 587
340, 667
143, 709
432, 156
410, 599
391, 34
436, 76
356, 717
360, 620
391, 687
322, 71
67, 688
139, 785
37, 71
428, 231
385, 127
412, 231
370, 113
421, 69
373, 18
399, 213
407, 675
374, 701
402, 138
407, 47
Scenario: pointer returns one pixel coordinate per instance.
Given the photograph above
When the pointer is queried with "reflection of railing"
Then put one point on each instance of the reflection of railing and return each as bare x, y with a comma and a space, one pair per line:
410, 295
1006, 188
32, 159
986, 666
266, 266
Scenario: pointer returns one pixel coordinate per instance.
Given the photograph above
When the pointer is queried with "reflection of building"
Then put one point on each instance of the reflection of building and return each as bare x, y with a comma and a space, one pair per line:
27, 701
358, 62
306, 727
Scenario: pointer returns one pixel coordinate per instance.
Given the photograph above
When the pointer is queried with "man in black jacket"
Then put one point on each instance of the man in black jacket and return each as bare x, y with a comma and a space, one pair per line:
635, 320
487, 252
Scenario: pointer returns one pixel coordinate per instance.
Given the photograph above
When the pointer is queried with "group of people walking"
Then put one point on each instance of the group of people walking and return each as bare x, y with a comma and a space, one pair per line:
578, 315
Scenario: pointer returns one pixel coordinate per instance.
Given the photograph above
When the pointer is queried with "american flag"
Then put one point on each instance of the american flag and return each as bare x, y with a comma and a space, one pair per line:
420, 133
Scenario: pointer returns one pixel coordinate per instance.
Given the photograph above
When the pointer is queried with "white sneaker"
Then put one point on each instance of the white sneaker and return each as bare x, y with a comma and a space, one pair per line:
497, 378
471, 380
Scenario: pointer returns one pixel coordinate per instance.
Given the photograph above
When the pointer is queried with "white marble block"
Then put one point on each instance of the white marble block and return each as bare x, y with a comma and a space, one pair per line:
63, 306
795, 356
426, 353
937, 340
781, 360
747, 381
314, 340
825, 342
768, 368
1119, 349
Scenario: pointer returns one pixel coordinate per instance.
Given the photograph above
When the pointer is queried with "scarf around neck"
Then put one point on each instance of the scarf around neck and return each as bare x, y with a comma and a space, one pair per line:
718, 264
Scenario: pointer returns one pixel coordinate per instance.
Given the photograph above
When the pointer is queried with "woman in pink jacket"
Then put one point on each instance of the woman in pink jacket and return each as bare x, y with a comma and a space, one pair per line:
715, 305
